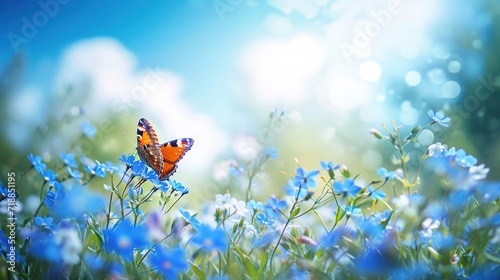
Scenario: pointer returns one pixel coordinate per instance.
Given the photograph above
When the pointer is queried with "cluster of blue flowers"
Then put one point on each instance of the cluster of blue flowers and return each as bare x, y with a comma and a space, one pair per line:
327, 224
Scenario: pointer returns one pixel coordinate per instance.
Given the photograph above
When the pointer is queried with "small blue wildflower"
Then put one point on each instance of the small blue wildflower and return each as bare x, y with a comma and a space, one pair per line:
450, 153
36, 162
333, 238
264, 220
274, 206
305, 179
210, 239
439, 118
328, 166
382, 217
176, 186
376, 194
162, 186
190, 218
4, 192
44, 223
252, 205
93, 261
49, 176
169, 262
295, 191
88, 129
58, 187
75, 174
384, 174
346, 188
97, 170
139, 168
149, 174
50, 199
263, 241
68, 159
272, 153
128, 160
124, 238
351, 211
465, 160
110, 167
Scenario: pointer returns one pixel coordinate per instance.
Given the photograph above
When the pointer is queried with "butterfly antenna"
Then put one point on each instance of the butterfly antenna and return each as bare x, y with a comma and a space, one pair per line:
128, 139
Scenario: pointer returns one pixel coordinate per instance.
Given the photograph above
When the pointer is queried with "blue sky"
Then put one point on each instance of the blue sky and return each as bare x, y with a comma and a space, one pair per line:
187, 37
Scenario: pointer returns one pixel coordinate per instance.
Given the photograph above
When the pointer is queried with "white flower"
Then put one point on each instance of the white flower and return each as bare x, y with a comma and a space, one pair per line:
241, 208
70, 244
428, 225
223, 201
478, 172
436, 150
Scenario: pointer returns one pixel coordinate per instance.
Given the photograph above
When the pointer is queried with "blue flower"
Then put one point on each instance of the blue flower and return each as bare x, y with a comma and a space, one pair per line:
328, 166
169, 262
44, 246
384, 174
49, 176
97, 170
139, 168
151, 175
44, 223
124, 239
162, 186
88, 129
346, 188
128, 160
255, 205
68, 159
190, 218
439, 118
351, 211
303, 179
50, 199
264, 220
376, 194
110, 167
210, 239
75, 174
465, 160
272, 153
265, 239
36, 162
76, 202
176, 186
295, 191
274, 206
4, 192
333, 238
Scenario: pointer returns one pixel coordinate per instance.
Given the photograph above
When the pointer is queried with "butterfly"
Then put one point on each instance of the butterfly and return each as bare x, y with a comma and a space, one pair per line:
162, 158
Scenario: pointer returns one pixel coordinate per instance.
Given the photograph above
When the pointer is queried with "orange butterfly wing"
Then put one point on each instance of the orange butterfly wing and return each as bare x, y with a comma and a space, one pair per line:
147, 146
162, 158
172, 153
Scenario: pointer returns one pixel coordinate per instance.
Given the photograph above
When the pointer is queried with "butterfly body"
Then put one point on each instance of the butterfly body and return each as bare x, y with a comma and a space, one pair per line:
163, 158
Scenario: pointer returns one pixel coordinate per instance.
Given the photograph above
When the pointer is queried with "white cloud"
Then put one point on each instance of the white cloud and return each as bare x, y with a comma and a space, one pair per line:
279, 71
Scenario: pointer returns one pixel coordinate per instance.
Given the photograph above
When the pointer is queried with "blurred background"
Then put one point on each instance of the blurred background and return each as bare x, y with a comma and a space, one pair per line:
215, 70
